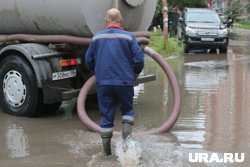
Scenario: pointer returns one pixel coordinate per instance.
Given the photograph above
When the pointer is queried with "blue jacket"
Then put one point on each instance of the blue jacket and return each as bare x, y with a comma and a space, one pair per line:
115, 57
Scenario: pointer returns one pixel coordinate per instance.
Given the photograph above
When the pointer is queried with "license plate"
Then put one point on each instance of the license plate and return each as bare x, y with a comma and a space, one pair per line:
63, 75
207, 39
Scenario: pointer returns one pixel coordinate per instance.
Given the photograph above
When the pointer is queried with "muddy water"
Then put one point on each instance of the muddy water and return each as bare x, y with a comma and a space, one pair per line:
215, 119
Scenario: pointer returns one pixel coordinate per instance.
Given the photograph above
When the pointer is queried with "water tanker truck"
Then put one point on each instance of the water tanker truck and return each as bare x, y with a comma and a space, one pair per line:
42, 44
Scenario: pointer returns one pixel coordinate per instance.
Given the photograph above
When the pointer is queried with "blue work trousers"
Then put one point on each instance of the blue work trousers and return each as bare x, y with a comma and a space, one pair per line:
108, 96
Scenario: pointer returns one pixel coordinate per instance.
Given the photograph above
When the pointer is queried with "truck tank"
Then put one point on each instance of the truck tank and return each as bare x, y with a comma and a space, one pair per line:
71, 17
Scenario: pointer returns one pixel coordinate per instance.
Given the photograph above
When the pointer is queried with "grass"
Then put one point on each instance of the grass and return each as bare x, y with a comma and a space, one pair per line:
172, 47
243, 26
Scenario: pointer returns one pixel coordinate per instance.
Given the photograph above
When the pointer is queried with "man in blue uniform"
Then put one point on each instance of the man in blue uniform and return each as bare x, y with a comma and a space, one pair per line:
116, 59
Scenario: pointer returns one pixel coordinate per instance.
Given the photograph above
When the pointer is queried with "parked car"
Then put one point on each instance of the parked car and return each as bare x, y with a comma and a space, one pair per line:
202, 28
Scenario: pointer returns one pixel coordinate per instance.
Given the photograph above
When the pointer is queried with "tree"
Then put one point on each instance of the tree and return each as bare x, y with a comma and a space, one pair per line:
188, 3
236, 7
248, 7
248, 12
165, 19
158, 18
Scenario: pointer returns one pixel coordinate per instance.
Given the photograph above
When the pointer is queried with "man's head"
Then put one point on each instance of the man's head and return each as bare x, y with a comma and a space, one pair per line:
113, 17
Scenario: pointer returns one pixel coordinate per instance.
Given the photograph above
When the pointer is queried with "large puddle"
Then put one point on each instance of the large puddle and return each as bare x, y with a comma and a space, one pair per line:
214, 119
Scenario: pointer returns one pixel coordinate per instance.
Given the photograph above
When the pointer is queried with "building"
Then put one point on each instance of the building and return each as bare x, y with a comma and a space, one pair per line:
221, 5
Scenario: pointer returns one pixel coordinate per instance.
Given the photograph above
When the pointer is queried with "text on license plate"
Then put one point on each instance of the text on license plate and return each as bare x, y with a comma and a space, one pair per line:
63, 75
207, 39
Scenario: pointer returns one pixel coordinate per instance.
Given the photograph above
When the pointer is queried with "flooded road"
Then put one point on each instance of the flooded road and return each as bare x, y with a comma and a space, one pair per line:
214, 119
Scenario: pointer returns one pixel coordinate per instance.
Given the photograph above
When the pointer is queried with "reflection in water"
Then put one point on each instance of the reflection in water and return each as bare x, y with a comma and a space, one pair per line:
227, 121
151, 104
215, 114
79, 142
17, 141
203, 79
137, 91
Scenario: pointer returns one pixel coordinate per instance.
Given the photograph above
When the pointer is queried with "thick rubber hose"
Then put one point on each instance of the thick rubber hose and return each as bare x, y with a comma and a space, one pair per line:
166, 126
141, 37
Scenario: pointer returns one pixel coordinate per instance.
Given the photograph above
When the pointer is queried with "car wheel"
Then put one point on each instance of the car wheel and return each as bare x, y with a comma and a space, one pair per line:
186, 48
19, 93
213, 50
223, 49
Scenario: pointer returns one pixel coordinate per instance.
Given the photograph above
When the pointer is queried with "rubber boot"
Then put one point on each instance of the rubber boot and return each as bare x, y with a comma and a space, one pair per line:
126, 129
106, 142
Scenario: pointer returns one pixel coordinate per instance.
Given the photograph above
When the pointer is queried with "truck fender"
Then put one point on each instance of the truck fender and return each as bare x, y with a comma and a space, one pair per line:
41, 67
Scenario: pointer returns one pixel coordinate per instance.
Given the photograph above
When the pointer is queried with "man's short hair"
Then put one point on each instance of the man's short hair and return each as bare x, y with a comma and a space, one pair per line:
114, 15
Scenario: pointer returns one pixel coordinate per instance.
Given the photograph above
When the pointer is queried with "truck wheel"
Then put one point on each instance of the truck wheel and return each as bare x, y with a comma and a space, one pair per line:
19, 93
52, 107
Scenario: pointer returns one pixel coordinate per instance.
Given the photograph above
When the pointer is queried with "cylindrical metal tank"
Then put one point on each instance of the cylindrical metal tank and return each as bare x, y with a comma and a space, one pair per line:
71, 17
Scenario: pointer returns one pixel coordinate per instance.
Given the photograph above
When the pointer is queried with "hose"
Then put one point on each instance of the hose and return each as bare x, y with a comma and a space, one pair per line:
141, 36
165, 127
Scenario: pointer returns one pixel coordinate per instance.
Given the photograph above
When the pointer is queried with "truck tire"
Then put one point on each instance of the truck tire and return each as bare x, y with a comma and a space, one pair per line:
20, 95
52, 107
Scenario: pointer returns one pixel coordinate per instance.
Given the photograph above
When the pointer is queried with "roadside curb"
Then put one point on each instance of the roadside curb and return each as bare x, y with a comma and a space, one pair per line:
239, 30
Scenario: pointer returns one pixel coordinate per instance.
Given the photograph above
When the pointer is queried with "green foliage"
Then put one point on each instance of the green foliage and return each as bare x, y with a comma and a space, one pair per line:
248, 12
158, 19
181, 4
241, 12
248, 7
172, 47
237, 8
243, 26
243, 19
188, 3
